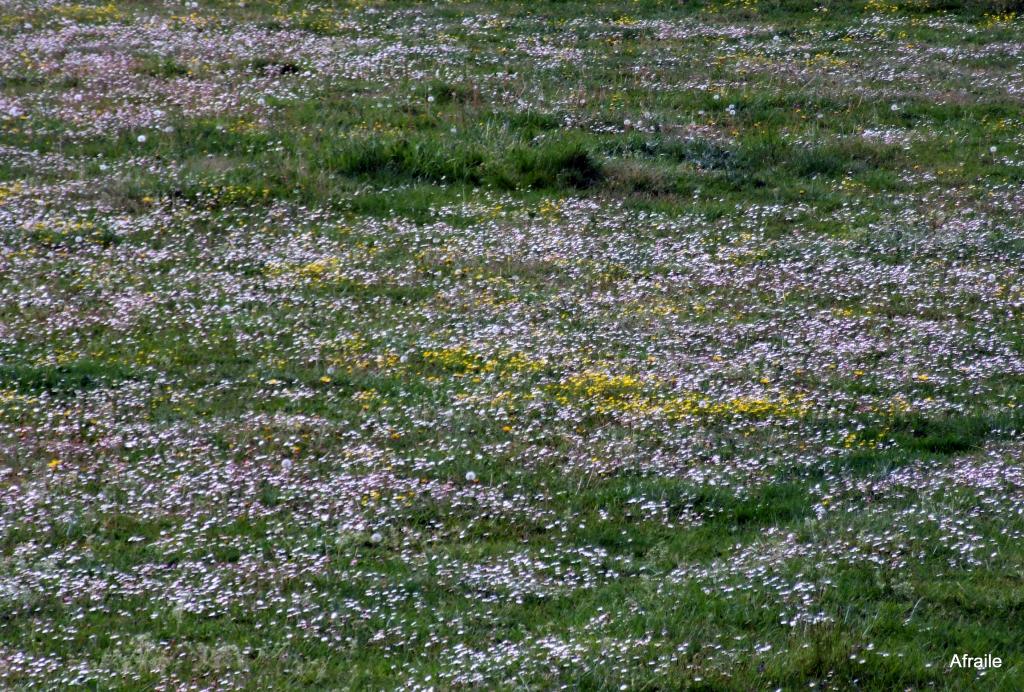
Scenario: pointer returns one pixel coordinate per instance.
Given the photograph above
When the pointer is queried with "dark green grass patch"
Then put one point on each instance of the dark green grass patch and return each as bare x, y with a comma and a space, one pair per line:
80, 375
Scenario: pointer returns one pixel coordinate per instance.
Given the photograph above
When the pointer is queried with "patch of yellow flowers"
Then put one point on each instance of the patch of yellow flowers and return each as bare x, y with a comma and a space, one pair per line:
629, 394
90, 14
461, 360
10, 190
999, 19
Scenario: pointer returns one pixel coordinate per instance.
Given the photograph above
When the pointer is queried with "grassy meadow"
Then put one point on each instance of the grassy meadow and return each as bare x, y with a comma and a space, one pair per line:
604, 345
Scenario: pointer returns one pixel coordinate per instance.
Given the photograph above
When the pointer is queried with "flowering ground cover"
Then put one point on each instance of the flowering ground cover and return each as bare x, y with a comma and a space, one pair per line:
597, 345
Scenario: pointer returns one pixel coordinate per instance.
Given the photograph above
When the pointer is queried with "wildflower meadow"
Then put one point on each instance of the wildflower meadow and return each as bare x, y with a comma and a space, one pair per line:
561, 344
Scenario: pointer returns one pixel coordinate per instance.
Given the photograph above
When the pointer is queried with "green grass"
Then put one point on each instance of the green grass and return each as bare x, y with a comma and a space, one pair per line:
276, 278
